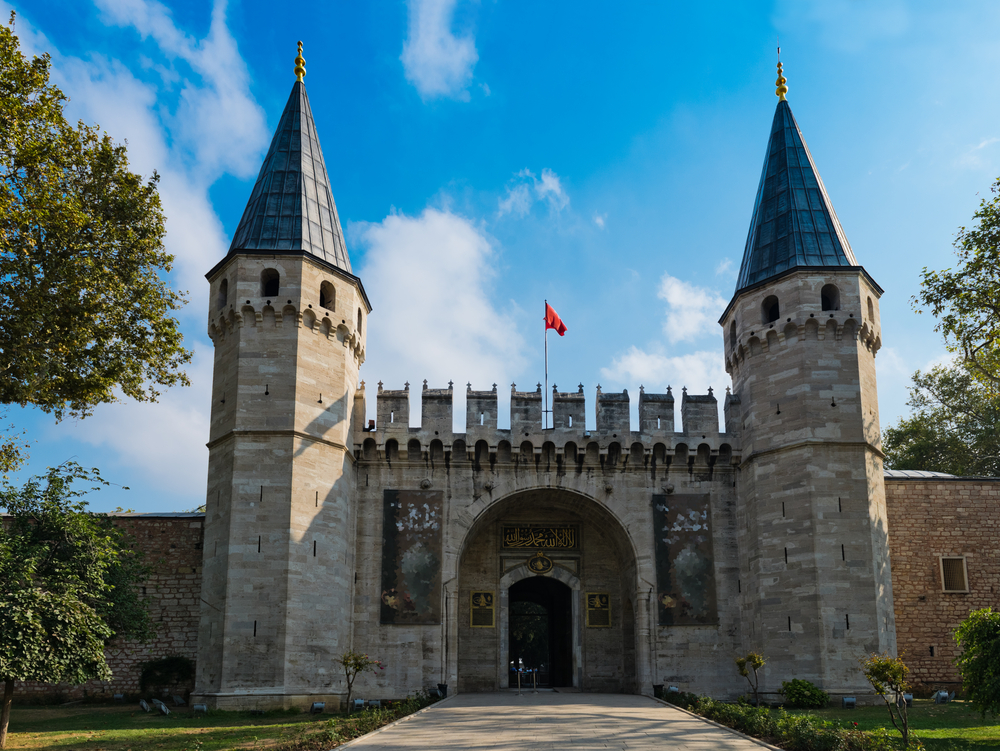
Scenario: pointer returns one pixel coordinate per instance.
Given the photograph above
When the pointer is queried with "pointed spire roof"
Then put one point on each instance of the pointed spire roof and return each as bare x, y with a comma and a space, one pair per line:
793, 223
291, 207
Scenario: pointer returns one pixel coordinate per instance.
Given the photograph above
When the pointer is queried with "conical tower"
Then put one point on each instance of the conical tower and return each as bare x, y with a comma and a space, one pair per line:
801, 334
288, 321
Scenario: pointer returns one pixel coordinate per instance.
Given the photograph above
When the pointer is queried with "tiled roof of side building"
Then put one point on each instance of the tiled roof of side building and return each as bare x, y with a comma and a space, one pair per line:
793, 222
291, 207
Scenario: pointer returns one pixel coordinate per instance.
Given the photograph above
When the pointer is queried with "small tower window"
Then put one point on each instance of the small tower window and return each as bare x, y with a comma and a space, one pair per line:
270, 283
830, 297
359, 321
732, 334
871, 310
770, 311
223, 293
327, 296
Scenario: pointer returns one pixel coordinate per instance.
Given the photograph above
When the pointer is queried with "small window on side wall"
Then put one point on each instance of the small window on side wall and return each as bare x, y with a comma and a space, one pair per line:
769, 309
732, 334
359, 321
327, 296
954, 574
830, 297
223, 293
270, 283
871, 310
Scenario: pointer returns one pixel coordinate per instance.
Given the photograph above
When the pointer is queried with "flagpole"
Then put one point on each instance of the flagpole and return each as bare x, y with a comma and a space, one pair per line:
545, 409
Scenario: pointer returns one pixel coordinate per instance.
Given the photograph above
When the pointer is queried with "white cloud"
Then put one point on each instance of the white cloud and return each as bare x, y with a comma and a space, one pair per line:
526, 188
973, 157
724, 267
163, 442
192, 121
211, 127
435, 61
696, 370
433, 314
691, 311
599, 220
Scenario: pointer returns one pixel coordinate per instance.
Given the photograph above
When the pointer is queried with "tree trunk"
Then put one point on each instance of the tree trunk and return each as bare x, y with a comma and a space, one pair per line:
8, 697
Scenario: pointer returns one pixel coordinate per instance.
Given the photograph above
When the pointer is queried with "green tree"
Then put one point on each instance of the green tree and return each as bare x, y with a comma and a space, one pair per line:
750, 664
952, 428
353, 664
887, 675
70, 585
978, 638
85, 313
966, 299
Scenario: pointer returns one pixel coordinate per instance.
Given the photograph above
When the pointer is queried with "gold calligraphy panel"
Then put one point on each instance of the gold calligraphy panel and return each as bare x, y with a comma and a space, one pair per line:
481, 610
549, 537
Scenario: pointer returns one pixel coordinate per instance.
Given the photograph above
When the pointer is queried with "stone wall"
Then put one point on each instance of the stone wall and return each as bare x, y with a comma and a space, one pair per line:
930, 518
173, 547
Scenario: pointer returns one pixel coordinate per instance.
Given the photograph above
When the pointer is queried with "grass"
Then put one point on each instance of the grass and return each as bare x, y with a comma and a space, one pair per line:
940, 726
128, 728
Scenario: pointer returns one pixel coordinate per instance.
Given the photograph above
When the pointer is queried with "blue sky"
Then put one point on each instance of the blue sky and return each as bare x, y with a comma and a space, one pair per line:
485, 156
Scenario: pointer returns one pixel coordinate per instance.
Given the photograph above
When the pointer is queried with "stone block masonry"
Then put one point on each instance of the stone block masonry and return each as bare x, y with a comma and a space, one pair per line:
172, 544
929, 519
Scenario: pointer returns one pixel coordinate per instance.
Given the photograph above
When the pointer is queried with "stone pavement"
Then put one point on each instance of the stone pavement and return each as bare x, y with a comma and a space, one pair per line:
549, 721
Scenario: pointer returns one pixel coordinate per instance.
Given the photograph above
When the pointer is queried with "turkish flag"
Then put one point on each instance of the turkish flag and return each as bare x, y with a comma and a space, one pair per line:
553, 321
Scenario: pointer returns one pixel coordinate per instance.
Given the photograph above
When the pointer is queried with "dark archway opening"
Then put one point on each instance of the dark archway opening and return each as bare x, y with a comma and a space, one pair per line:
540, 615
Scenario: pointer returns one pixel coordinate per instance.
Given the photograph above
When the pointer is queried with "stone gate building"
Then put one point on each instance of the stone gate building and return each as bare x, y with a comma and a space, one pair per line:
608, 560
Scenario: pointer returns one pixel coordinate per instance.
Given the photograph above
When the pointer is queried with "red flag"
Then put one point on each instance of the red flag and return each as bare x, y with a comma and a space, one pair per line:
553, 321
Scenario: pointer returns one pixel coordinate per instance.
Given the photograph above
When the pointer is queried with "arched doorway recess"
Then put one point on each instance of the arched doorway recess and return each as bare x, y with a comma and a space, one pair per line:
588, 558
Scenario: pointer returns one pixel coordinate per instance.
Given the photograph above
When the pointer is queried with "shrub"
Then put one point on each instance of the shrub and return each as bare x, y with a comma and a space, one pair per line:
165, 672
801, 694
683, 699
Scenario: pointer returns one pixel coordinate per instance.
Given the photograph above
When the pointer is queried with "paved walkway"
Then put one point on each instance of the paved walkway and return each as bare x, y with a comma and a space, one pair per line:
549, 721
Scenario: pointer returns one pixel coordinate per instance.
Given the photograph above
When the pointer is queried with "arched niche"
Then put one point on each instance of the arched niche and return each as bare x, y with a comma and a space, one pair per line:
479, 660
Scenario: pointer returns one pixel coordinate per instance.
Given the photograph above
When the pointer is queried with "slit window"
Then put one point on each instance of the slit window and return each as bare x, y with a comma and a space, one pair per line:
954, 574
223, 293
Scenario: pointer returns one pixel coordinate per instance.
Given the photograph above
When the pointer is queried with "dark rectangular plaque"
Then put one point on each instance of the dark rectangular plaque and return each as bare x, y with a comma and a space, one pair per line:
548, 537
481, 610
411, 556
598, 610
685, 564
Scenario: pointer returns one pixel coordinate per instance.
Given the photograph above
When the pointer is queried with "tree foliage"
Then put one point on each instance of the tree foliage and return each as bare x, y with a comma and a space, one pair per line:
978, 638
748, 665
69, 584
887, 675
85, 315
952, 427
966, 299
355, 663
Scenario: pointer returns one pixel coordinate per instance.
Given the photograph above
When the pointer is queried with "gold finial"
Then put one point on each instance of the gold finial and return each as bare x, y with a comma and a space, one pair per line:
780, 83
300, 65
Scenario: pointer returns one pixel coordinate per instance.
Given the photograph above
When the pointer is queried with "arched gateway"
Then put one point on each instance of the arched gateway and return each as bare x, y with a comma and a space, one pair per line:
547, 582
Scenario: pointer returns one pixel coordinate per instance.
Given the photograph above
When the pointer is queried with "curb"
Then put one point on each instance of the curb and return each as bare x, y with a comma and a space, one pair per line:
758, 741
393, 723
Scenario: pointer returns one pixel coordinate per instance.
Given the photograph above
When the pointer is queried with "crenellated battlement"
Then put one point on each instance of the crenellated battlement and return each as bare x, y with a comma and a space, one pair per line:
700, 442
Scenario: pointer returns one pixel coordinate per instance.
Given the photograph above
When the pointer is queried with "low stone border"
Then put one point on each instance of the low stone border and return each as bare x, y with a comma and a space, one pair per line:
394, 723
758, 741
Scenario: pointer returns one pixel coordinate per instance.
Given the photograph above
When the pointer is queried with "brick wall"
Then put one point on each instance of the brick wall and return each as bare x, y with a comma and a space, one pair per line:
172, 544
929, 518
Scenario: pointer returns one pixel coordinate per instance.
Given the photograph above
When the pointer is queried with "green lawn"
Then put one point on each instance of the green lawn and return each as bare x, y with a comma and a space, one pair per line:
939, 726
128, 728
